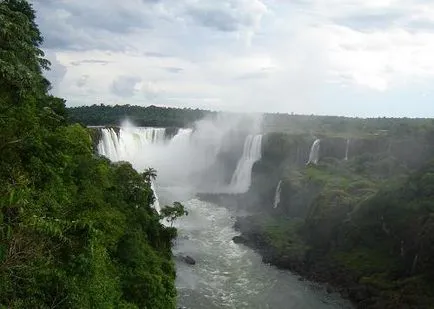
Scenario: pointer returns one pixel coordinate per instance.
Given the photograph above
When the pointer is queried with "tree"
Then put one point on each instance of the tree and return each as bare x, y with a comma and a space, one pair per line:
150, 174
171, 213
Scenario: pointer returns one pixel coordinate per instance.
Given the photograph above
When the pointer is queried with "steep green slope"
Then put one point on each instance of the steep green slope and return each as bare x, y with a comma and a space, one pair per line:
75, 230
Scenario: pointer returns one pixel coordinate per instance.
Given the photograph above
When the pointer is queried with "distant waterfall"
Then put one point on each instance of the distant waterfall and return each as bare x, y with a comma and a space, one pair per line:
347, 149
127, 143
314, 152
241, 179
277, 194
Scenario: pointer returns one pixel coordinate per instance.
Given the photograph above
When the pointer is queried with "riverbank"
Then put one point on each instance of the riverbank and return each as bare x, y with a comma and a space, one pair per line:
313, 268
365, 276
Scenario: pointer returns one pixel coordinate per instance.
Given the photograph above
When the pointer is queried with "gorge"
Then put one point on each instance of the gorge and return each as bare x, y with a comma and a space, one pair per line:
296, 216
225, 275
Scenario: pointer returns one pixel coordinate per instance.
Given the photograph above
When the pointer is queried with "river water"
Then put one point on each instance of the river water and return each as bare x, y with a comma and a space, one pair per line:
229, 275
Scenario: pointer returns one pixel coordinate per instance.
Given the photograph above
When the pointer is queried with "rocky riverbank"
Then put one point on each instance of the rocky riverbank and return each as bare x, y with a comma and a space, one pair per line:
316, 269
364, 290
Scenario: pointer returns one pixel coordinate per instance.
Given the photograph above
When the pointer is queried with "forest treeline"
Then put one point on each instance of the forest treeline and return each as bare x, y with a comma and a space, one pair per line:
150, 116
156, 116
76, 231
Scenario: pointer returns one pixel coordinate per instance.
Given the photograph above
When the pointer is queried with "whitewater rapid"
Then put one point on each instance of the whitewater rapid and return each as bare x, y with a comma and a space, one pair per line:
229, 275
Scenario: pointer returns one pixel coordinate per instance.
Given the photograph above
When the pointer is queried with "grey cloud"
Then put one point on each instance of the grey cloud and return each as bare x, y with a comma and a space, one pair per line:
56, 73
420, 25
89, 61
156, 55
253, 75
174, 70
82, 81
226, 15
372, 20
96, 24
217, 19
124, 86
112, 18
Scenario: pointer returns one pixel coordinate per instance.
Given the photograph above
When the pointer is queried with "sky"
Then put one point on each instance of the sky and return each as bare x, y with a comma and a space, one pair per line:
365, 58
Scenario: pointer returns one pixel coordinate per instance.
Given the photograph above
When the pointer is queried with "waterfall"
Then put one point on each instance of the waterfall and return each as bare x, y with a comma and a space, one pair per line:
314, 152
125, 145
241, 179
156, 204
277, 194
347, 149
191, 157
109, 144
129, 141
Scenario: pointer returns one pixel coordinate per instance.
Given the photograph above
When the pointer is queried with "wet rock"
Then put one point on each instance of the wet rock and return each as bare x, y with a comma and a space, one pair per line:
240, 239
189, 260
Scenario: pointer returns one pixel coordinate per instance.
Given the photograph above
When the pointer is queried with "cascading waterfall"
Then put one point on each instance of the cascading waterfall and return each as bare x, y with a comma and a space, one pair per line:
241, 179
347, 149
129, 140
109, 144
191, 158
314, 152
277, 194
127, 143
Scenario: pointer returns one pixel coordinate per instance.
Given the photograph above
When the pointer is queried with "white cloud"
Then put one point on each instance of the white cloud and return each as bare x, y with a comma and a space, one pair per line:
263, 55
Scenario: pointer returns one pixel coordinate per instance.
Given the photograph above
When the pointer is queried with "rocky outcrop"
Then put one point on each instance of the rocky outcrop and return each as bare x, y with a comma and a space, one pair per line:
189, 260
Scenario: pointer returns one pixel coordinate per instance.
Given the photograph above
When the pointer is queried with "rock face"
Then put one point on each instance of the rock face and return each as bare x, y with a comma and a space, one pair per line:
240, 239
189, 260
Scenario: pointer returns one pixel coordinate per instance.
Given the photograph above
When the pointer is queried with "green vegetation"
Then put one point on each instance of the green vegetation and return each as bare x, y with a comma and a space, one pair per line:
364, 224
151, 116
76, 231
171, 213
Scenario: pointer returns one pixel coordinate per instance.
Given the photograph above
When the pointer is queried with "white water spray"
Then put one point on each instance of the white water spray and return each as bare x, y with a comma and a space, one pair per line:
241, 179
277, 194
156, 204
347, 149
314, 152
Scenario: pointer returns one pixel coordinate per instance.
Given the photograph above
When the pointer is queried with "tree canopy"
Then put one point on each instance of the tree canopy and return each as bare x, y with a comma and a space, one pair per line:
76, 231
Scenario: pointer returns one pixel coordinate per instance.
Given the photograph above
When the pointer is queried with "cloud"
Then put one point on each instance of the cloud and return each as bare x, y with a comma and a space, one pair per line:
125, 86
174, 70
81, 25
56, 73
82, 81
228, 15
89, 61
156, 55
258, 55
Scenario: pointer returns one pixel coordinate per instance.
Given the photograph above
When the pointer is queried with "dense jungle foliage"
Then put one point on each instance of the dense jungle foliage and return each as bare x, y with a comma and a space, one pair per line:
76, 231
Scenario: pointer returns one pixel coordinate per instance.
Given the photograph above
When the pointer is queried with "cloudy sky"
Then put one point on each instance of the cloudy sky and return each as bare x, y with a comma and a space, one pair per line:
341, 57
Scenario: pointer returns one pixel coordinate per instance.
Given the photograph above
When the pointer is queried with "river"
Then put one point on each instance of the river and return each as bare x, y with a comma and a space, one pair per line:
229, 275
